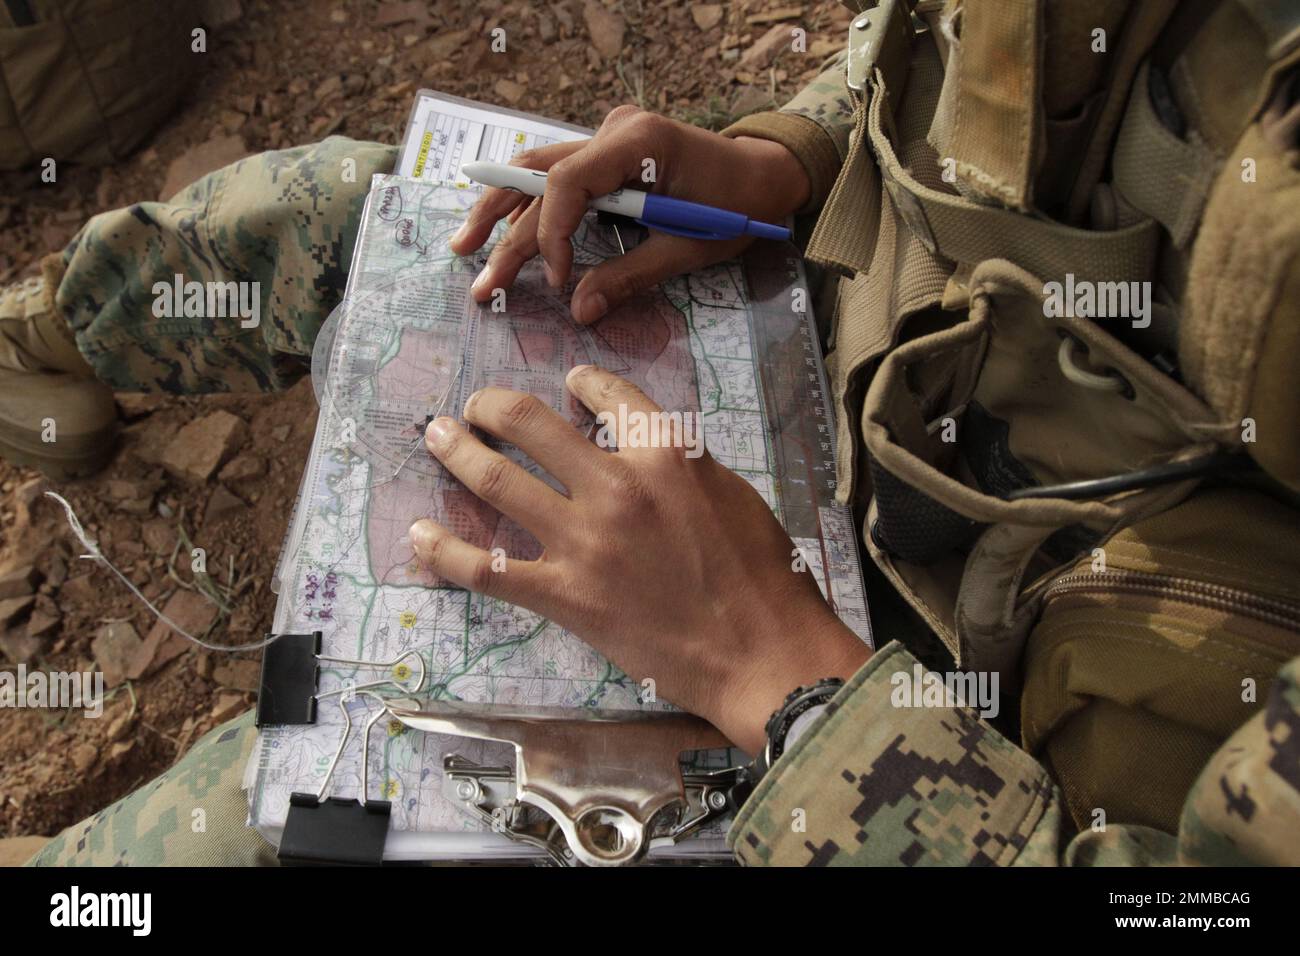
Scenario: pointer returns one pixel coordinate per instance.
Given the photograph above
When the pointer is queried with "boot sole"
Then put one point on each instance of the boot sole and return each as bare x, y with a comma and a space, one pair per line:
61, 468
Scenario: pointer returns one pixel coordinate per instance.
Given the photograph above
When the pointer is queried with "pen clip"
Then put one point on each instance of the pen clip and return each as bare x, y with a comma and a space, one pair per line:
680, 231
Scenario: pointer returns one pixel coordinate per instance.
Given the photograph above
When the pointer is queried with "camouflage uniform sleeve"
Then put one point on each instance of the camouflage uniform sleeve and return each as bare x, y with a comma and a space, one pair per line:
815, 126
874, 784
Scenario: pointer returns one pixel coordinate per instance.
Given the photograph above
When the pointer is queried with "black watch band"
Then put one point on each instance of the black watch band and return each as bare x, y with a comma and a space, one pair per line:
798, 710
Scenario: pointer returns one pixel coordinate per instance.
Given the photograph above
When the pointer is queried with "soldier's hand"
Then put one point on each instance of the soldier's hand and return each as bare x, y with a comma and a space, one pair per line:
757, 177
662, 559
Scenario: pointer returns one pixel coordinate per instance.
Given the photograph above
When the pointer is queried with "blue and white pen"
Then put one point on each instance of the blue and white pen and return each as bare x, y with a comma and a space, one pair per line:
676, 216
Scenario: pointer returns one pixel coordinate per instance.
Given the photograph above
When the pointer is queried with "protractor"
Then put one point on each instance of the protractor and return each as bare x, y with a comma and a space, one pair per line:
418, 348
530, 347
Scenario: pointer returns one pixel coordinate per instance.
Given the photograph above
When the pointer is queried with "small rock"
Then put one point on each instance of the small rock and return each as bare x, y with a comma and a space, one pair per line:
19, 582
200, 160
204, 445
56, 569
114, 649
158, 536
156, 651
766, 48
84, 757
204, 664
706, 15
130, 550
509, 90
121, 726
606, 29
30, 490
148, 440
233, 120
751, 99
391, 14
119, 750
191, 612
20, 647
222, 504
119, 490
771, 16
243, 468
820, 49
281, 432
42, 623
15, 609
134, 497
445, 44
239, 675
228, 705
332, 86
79, 590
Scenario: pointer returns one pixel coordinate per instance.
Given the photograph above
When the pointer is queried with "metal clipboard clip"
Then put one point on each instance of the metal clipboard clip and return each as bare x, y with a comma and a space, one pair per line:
609, 784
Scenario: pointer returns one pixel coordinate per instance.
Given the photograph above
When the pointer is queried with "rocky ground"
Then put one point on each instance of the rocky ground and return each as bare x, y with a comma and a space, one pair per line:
220, 472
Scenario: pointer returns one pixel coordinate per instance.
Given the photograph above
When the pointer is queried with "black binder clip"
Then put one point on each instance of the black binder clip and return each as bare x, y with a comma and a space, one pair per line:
334, 832
322, 830
290, 685
290, 676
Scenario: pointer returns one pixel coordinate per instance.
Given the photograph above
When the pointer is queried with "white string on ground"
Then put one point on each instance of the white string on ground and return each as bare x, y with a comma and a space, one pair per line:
97, 555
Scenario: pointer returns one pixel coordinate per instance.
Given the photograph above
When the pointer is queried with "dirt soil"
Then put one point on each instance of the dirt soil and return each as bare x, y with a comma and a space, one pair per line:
279, 73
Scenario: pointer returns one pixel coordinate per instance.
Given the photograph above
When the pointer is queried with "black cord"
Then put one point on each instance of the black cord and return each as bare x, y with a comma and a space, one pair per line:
1215, 464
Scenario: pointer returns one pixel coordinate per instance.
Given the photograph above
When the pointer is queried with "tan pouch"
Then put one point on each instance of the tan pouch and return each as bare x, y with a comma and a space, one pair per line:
957, 420
1151, 652
90, 79
1240, 333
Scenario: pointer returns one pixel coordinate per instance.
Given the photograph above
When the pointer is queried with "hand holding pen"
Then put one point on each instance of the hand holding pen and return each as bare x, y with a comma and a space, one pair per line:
757, 179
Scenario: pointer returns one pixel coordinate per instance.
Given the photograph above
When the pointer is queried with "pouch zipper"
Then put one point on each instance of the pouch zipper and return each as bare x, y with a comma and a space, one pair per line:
1280, 613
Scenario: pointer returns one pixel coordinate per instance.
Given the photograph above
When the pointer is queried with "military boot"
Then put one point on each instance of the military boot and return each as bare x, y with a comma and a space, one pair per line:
54, 414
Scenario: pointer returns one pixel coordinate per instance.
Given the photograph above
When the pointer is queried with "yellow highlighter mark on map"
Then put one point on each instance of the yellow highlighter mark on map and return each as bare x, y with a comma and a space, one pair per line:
423, 156
407, 619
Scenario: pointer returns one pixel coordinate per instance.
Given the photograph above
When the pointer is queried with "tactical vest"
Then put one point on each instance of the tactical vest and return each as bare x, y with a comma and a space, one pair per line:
86, 81
1068, 235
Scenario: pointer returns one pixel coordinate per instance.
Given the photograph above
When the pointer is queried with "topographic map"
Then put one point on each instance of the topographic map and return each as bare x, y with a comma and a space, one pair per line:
408, 344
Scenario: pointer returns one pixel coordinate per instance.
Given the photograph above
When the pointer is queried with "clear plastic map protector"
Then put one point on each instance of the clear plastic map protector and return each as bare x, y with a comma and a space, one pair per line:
731, 343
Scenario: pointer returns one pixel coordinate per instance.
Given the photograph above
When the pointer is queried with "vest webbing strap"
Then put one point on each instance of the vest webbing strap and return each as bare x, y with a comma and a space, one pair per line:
966, 232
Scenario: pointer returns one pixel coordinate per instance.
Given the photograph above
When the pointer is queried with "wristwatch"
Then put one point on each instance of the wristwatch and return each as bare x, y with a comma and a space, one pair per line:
786, 725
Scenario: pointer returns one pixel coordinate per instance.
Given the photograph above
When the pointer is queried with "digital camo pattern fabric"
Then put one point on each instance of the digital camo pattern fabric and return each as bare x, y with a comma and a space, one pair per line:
827, 103
875, 784
192, 815
1245, 807
285, 220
